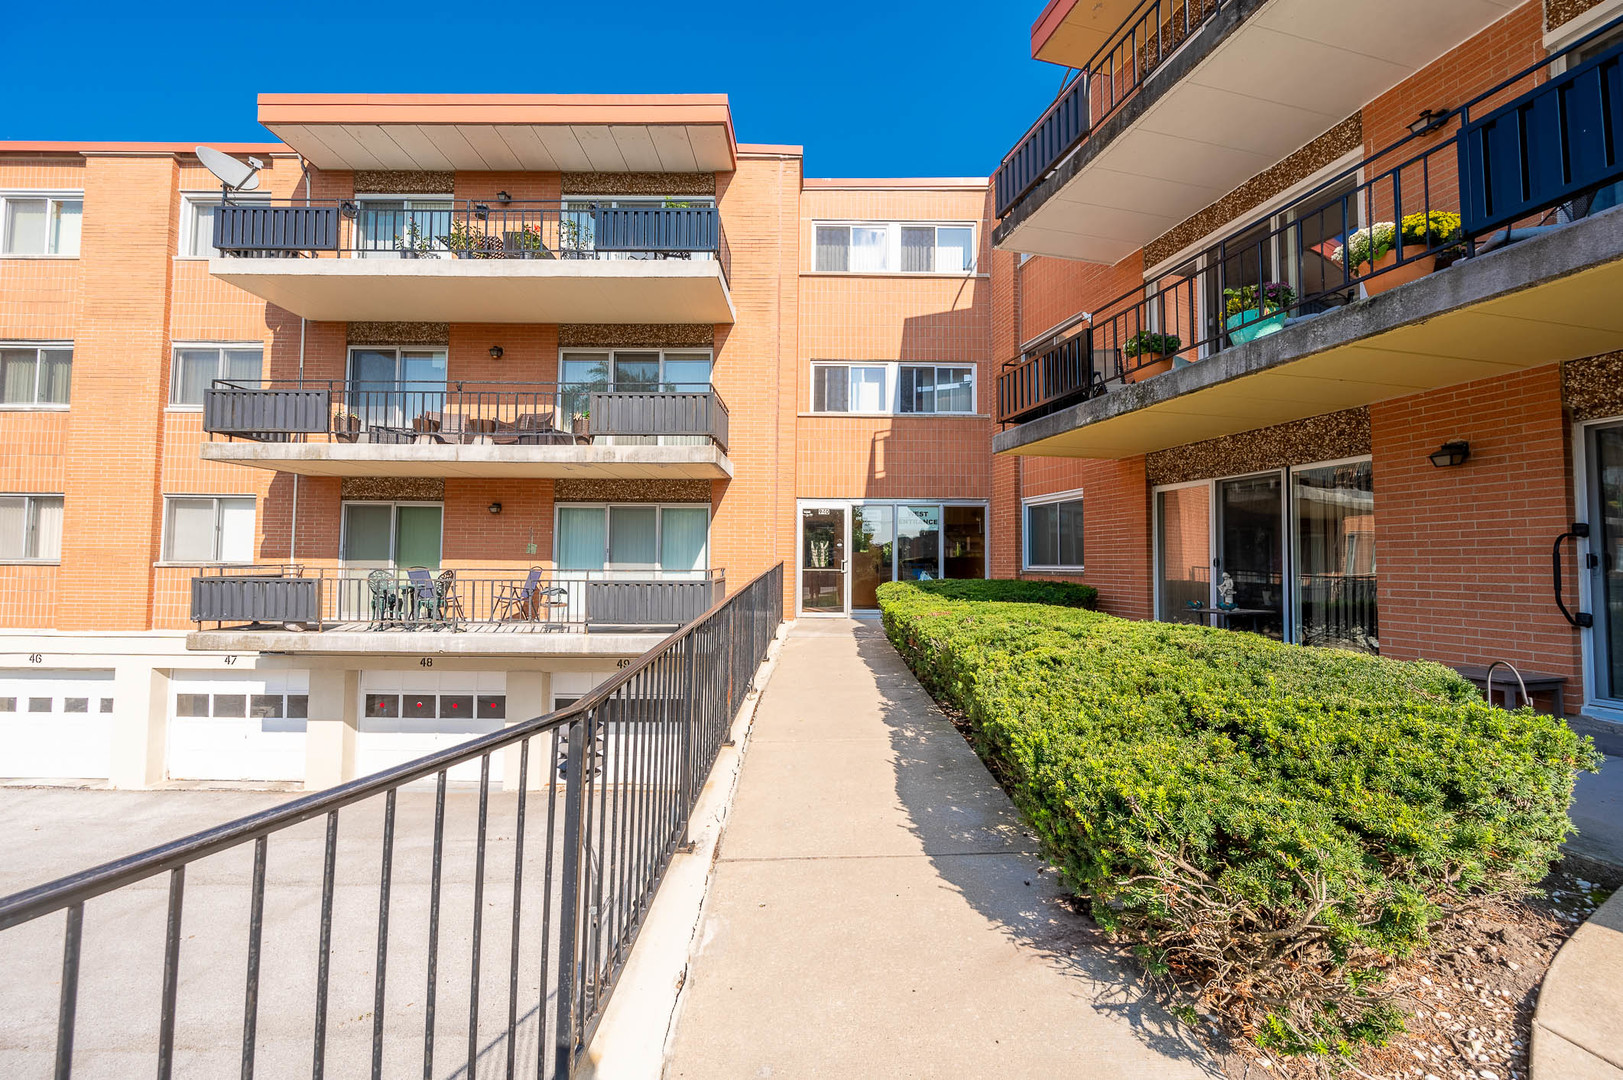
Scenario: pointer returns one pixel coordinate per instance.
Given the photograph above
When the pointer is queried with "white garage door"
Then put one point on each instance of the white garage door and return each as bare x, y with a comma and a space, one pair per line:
237, 726
55, 723
406, 714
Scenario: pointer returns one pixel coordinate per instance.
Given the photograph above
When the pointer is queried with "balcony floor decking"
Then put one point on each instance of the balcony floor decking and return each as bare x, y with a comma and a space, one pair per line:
477, 460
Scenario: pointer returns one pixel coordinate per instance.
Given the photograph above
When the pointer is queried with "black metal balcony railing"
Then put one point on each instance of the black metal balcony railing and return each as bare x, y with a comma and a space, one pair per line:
1538, 149
604, 791
461, 412
460, 599
1139, 46
473, 229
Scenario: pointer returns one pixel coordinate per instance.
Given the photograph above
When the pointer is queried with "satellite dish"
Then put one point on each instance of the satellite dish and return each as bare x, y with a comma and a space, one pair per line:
234, 175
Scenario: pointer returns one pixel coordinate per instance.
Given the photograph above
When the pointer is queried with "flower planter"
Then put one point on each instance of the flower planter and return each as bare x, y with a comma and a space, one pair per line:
347, 429
1251, 324
581, 425
1148, 365
1391, 279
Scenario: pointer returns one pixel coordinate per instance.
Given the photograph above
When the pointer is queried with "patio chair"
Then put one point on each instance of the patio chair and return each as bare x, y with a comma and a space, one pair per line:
423, 595
528, 428
385, 597
449, 602
518, 603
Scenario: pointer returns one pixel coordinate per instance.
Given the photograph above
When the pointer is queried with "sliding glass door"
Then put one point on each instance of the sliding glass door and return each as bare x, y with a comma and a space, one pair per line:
1183, 552
1334, 536
1251, 551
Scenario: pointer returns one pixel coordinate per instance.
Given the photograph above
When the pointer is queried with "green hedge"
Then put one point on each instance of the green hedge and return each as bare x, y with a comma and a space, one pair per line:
1058, 593
1275, 822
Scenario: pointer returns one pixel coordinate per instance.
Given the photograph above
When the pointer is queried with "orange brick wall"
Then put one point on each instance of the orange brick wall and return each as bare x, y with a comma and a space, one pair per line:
1464, 553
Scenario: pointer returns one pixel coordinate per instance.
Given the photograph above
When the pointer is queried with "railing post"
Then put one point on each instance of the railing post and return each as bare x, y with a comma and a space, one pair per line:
569, 910
689, 730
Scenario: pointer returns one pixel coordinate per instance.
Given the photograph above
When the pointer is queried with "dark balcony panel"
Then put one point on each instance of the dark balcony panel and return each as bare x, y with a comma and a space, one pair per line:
656, 229
276, 228
651, 603
256, 413
1059, 132
1545, 147
250, 599
660, 413
1059, 376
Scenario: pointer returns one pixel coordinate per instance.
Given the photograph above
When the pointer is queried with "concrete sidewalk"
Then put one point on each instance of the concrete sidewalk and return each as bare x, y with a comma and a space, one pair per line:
878, 910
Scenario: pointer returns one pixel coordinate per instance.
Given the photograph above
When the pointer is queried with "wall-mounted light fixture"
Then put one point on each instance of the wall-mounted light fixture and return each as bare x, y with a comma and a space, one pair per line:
1450, 454
481, 209
1429, 120
503, 197
495, 508
495, 352
349, 208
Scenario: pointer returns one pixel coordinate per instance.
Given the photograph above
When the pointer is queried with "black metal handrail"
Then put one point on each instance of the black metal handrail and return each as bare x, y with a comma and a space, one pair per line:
583, 228
1461, 195
634, 754
1145, 40
460, 411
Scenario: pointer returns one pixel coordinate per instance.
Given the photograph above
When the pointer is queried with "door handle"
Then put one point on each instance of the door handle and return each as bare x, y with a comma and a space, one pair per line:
1579, 531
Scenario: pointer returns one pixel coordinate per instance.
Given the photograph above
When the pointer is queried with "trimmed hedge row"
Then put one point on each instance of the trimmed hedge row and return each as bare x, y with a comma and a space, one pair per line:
1006, 590
1275, 822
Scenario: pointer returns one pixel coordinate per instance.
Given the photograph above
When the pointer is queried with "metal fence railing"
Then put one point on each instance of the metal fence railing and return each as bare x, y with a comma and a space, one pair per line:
461, 412
616, 774
1537, 149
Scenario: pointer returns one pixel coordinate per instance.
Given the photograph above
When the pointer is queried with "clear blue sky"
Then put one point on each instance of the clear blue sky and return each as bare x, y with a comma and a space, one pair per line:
872, 88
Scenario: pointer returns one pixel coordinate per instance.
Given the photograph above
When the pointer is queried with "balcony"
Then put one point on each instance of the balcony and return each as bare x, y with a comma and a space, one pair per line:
468, 429
293, 609
1187, 99
1488, 245
479, 261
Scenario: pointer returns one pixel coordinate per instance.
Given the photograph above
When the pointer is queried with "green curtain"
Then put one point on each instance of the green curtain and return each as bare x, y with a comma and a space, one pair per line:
684, 537
417, 536
581, 538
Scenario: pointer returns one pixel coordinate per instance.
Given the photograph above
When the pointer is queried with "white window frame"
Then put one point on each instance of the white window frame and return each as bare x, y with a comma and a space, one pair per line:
893, 387
659, 571
893, 246
220, 348
54, 195
189, 201
394, 506
608, 354
167, 536
29, 519
1579, 26
37, 405
1075, 495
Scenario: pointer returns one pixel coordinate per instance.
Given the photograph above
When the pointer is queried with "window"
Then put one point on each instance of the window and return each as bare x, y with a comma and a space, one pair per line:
197, 221
892, 388
580, 372
40, 225
1054, 534
385, 534
885, 247
385, 227
208, 529
197, 366
35, 376
31, 527
667, 540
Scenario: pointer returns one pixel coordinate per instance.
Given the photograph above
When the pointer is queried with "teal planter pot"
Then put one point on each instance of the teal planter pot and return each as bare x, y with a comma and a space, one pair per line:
1250, 324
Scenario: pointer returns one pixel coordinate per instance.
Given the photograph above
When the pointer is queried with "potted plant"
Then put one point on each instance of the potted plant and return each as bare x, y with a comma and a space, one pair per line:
526, 242
1257, 310
1153, 353
346, 426
467, 242
1423, 231
581, 423
414, 242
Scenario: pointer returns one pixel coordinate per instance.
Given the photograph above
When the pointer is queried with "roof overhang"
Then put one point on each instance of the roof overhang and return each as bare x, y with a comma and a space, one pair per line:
487, 461
1537, 302
1069, 32
488, 290
678, 133
1211, 116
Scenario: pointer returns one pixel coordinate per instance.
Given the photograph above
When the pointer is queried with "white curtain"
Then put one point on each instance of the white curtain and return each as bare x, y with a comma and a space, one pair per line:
201, 241
195, 369
65, 218
684, 539
581, 538
25, 227
869, 247
955, 250
55, 375
47, 528
13, 526
237, 530
244, 364
17, 368
191, 534
868, 389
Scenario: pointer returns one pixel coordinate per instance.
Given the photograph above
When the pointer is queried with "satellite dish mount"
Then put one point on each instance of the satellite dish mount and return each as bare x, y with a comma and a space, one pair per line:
234, 175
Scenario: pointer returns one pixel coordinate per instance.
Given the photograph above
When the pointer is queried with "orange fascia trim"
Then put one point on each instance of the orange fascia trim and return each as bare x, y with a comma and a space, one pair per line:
44, 147
1048, 22
772, 148
967, 183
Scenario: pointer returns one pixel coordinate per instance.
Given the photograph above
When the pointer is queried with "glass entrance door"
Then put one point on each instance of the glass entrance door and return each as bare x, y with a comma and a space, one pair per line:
1251, 552
1606, 543
1183, 552
822, 560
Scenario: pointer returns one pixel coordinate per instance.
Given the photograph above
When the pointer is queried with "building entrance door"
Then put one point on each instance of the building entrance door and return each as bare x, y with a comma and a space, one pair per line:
1605, 471
822, 560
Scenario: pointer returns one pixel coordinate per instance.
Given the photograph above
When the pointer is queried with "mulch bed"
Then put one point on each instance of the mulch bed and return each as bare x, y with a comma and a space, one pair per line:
1468, 1002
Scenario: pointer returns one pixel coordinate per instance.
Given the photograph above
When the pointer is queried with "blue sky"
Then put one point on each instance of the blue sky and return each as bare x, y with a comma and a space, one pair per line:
870, 89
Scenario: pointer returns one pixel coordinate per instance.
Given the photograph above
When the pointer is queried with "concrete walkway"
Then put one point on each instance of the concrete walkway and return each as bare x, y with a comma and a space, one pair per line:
878, 911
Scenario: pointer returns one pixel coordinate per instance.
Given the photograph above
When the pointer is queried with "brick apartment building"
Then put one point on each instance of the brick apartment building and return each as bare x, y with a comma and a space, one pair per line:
1375, 450
591, 356
470, 398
